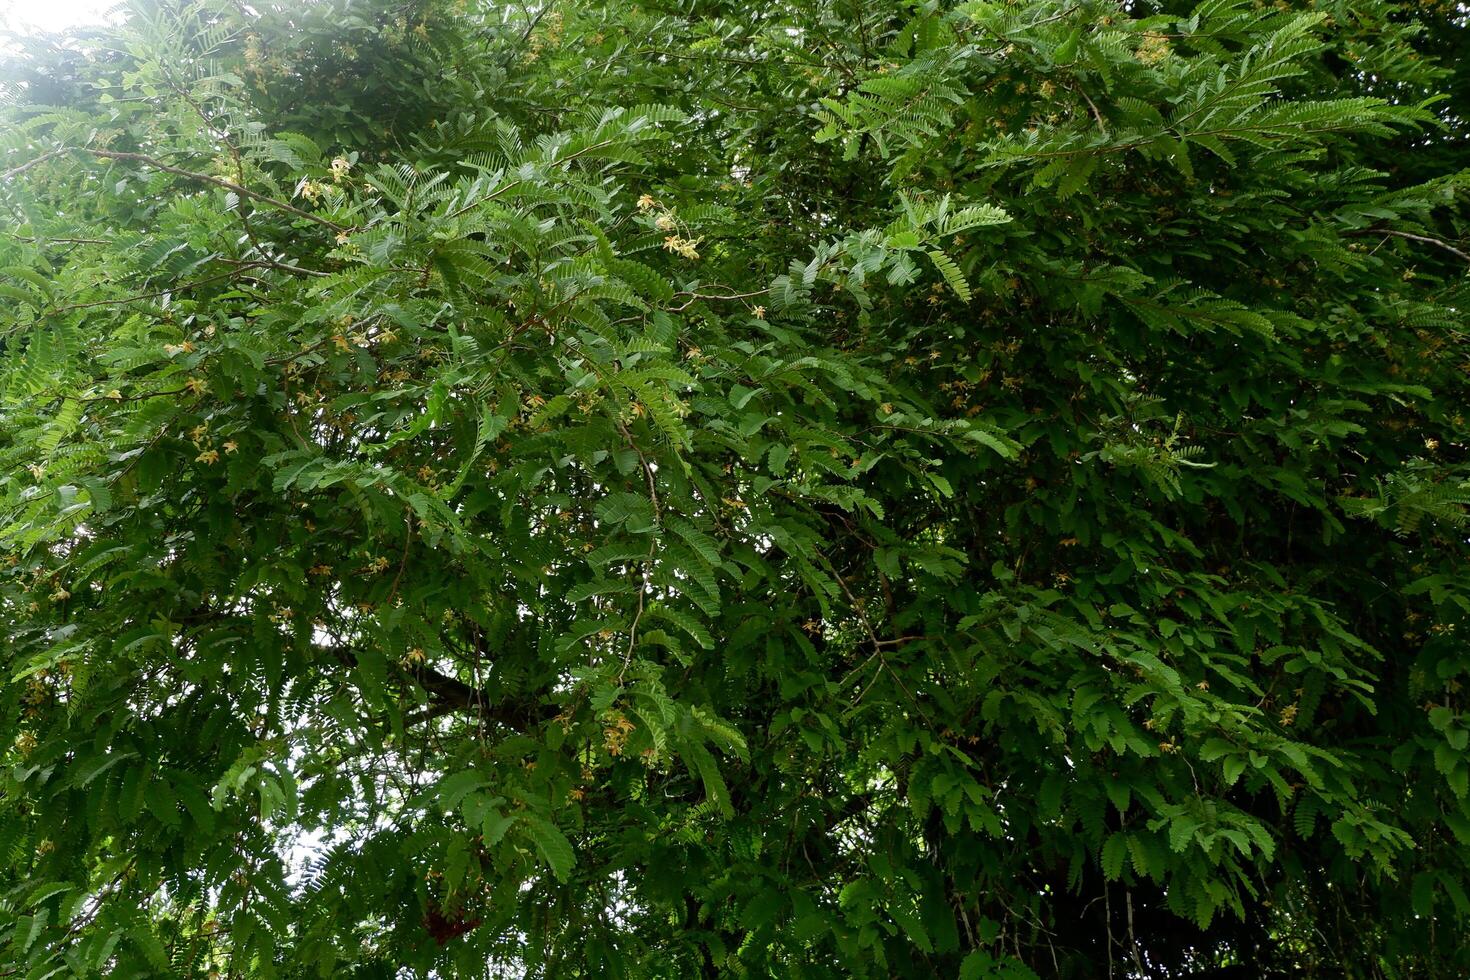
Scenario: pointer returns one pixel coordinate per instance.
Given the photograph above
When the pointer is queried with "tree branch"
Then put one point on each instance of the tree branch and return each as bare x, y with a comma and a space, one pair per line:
451, 695
1426, 239
216, 181
17, 171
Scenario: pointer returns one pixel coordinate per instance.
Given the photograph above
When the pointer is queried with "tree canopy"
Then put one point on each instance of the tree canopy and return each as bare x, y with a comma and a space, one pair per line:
789, 488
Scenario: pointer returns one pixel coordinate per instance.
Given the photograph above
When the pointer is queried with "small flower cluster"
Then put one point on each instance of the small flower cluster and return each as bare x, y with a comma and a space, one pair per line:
675, 242
1153, 50
549, 36
199, 436
615, 734
683, 246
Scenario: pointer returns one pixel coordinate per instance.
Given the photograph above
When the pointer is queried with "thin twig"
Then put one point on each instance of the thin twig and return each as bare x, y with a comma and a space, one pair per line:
1132, 938
1101, 124
132, 398
139, 296
43, 240
402, 562
652, 549
270, 263
696, 297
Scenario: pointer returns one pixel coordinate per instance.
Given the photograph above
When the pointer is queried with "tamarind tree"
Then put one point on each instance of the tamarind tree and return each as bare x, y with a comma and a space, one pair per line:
795, 488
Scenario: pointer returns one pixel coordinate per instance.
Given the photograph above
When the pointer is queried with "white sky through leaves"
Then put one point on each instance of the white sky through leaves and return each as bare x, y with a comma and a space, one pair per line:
51, 15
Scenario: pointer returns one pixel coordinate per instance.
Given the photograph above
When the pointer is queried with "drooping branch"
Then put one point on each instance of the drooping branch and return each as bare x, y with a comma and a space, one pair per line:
1410, 236
216, 181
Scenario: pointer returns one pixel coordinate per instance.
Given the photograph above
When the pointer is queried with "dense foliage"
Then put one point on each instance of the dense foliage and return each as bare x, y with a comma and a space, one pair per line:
778, 489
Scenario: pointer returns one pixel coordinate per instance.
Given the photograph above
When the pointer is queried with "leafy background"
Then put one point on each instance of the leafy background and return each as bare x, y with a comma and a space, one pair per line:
705, 489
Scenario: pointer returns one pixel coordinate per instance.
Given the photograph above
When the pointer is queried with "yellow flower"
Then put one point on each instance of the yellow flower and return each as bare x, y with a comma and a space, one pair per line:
231, 445
760, 312
340, 166
1154, 49
208, 456
645, 202
682, 246
343, 238
665, 222
616, 731
197, 386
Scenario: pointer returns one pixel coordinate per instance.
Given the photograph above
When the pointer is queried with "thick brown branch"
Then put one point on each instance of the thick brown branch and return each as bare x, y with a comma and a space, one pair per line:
451, 695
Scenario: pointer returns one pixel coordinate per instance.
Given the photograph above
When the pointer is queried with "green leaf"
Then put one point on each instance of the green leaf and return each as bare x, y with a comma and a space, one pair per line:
952, 274
555, 849
1114, 853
